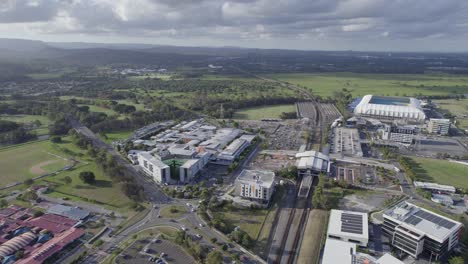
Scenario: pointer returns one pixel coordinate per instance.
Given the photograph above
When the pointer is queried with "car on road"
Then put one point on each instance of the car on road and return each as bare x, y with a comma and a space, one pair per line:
199, 236
201, 225
183, 228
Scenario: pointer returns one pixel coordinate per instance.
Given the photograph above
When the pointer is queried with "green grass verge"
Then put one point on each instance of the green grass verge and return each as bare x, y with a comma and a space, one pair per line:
441, 171
257, 113
179, 210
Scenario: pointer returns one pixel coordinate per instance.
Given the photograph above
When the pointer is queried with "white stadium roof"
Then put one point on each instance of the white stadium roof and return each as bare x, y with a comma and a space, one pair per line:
390, 107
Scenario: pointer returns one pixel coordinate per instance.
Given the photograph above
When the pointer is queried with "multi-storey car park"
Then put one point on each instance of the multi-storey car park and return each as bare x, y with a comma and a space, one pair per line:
415, 230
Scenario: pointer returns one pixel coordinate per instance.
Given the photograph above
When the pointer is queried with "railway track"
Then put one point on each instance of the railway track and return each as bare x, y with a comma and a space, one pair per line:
287, 250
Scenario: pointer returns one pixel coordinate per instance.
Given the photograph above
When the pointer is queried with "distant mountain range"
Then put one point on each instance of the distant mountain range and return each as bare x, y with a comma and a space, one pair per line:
254, 60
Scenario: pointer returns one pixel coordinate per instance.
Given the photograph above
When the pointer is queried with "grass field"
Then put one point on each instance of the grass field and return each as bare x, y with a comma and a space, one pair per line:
257, 113
441, 171
114, 136
25, 119
248, 220
151, 75
313, 234
16, 163
98, 109
324, 84
25, 161
179, 211
459, 108
104, 191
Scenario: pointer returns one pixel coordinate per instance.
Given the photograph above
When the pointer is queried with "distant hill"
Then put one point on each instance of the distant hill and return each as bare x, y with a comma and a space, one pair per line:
22, 45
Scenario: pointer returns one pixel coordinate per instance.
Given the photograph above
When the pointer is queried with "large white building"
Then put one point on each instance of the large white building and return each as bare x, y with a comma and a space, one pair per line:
413, 229
154, 167
189, 169
439, 126
348, 226
232, 151
342, 252
390, 108
255, 185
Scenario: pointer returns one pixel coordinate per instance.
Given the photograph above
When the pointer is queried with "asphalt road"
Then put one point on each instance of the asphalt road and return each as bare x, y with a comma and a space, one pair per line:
152, 191
157, 197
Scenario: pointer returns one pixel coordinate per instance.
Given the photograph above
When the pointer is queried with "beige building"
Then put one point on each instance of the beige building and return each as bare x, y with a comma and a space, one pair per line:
255, 185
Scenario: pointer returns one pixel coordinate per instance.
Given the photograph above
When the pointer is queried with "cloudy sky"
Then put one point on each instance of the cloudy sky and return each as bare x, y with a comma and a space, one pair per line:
408, 25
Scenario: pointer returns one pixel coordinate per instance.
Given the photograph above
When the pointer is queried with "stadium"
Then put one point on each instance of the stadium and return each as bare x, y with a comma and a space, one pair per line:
390, 108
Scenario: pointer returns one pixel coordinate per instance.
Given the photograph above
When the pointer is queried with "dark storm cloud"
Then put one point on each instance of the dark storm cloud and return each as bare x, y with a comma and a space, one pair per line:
245, 19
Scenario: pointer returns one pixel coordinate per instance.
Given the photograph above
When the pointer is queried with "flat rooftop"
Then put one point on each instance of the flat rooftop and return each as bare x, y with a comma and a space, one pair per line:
423, 221
156, 162
348, 224
261, 177
337, 251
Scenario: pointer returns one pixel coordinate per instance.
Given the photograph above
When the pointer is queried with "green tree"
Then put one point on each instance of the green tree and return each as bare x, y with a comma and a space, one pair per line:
30, 196
87, 177
456, 260
214, 257
3, 203
180, 237
67, 180
56, 139
28, 182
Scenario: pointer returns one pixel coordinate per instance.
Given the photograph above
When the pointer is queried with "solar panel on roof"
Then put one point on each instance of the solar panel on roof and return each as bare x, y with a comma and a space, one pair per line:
434, 219
413, 220
351, 223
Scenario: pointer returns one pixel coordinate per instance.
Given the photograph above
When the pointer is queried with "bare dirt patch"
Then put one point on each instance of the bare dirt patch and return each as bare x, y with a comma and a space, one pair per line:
37, 169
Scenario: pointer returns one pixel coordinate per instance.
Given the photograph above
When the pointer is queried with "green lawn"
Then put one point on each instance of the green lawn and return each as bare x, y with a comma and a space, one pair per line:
248, 220
442, 171
459, 108
257, 113
104, 191
179, 211
324, 84
25, 119
25, 161
114, 136
17, 161
45, 76
151, 75
99, 109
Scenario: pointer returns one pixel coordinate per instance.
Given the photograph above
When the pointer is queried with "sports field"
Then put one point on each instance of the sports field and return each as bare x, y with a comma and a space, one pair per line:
324, 84
24, 161
313, 236
442, 171
257, 113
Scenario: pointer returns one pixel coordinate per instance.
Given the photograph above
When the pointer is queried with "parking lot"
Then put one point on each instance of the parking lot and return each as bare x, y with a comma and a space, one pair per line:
431, 146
